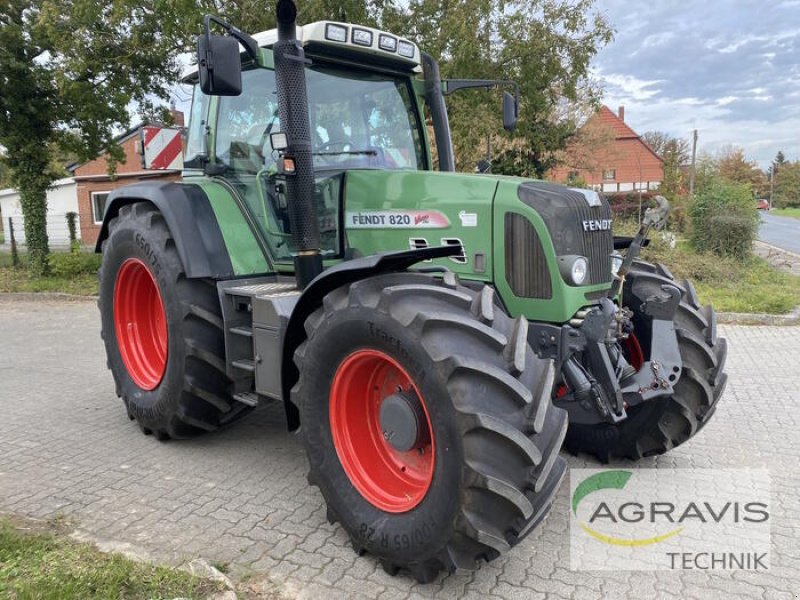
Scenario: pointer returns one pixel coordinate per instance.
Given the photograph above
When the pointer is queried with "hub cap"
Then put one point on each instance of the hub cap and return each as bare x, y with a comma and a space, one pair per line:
381, 431
140, 323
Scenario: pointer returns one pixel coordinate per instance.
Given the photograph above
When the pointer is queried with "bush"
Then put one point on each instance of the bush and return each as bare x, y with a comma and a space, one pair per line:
724, 220
74, 264
625, 205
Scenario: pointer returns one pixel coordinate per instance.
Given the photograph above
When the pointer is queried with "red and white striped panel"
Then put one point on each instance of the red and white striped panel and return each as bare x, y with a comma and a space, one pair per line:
163, 148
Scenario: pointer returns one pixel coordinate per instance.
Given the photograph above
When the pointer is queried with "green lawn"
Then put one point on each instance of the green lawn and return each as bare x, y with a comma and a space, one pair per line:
753, 286
39, 563
786, 212
71, 273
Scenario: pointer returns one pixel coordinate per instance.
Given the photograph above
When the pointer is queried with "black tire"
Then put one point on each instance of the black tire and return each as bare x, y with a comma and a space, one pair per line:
655, 427
193, 395
497, 433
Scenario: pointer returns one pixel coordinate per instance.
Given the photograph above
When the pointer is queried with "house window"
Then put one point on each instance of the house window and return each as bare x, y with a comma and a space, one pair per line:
609, 174
99, 206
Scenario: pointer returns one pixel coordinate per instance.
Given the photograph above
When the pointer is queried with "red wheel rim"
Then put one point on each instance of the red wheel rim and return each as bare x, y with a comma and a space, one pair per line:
140, 323
633, 351
388, 479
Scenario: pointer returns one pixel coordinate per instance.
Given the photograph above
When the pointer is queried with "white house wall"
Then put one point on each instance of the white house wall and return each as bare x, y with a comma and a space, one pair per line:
61, 199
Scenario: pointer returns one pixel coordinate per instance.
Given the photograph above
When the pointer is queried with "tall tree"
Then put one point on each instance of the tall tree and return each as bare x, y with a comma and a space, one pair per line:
72, 66
663, 143
733, 165
675, 152
787, 185
544, 45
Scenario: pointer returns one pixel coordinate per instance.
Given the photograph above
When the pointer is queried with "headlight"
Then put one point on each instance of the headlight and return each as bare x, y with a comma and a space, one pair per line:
574, 269
616, 263
335, 33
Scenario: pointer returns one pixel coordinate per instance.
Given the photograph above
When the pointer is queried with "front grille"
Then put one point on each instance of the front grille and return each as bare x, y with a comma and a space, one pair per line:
597, 245
526, 265
564, 212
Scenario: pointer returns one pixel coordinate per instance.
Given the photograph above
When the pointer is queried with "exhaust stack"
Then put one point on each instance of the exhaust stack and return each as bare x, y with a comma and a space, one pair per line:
290, 80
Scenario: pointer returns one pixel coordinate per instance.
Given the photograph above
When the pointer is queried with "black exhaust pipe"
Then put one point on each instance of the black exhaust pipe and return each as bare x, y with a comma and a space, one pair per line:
290, 79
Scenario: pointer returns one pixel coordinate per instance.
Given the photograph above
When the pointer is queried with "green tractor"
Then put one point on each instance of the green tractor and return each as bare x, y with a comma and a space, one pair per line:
435, 337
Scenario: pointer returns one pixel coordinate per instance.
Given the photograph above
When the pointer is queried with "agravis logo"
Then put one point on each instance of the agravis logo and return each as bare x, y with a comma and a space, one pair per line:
611, 480
643, 519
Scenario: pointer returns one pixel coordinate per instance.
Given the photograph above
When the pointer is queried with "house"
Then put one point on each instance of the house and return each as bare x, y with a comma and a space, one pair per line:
610, 156
86, 192
94, 184
62, 198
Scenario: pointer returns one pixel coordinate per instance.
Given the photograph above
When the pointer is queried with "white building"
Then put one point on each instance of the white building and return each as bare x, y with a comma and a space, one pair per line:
62, 198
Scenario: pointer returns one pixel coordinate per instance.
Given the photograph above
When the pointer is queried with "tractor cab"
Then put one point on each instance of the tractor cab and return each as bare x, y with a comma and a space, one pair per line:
365, 112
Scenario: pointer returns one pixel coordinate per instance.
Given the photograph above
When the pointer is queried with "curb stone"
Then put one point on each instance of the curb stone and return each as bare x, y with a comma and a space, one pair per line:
791, 318
778, 249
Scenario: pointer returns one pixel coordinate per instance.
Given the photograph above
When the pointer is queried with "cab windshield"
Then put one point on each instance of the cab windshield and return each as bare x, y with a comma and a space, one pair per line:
358, 120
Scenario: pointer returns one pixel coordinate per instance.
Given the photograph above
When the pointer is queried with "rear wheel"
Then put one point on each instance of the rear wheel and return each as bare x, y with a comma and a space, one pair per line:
659, 425
427, 422
162, 332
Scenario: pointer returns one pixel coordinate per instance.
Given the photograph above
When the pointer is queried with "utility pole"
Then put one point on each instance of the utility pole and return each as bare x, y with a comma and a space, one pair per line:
694, 159
771, 184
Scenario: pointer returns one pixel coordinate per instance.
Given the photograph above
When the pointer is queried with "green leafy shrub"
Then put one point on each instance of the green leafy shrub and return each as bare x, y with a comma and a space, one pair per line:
724, 220
74, 264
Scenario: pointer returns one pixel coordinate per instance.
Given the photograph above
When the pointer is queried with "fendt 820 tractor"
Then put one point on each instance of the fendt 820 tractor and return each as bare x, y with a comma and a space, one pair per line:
434, 337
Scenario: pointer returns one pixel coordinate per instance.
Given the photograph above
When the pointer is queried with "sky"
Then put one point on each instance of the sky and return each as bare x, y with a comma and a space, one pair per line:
728, 68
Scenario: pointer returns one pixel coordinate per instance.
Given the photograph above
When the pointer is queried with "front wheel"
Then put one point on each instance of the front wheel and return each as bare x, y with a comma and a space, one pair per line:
163, 333
656, 426
427, 422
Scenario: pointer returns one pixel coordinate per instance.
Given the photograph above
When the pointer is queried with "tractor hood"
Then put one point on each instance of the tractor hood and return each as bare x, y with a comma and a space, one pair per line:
515, 233
398, 210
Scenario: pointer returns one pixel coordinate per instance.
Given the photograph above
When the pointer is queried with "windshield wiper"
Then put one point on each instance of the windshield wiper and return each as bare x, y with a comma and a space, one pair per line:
340, 152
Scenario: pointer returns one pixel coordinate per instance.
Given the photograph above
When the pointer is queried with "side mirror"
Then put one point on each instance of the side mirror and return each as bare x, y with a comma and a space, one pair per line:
510, 112
219, 64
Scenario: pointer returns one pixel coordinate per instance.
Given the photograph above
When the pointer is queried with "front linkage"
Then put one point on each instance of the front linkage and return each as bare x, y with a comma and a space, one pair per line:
596, 349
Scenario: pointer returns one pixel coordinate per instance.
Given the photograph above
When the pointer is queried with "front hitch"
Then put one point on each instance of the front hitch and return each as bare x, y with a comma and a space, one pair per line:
654, 217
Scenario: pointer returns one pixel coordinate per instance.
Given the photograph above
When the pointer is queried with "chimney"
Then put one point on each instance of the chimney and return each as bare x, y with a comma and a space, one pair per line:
177, 117
621, 113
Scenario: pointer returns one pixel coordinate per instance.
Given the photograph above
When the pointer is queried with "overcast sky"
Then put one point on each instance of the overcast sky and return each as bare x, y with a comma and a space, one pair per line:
730, 69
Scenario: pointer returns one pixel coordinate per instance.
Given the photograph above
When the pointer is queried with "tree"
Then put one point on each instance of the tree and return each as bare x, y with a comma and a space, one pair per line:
675, 153
72, 66
787, 185
734, 166
5, 175
544, 45
777, 165
590, 149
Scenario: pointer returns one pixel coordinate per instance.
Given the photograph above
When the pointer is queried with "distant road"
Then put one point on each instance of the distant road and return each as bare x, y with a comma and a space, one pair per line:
783, 232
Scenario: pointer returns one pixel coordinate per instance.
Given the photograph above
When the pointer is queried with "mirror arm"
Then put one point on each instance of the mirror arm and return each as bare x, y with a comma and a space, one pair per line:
453, 85
250, 45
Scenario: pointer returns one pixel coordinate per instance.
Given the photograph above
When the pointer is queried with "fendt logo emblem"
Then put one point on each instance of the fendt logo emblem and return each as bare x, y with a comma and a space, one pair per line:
597, 225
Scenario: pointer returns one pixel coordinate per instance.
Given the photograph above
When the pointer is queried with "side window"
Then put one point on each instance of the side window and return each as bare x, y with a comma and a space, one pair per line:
99, 200
244, 123
197, 129
393, 127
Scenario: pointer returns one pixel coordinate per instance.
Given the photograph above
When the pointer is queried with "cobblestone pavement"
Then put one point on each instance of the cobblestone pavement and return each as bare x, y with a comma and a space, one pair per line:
241, 497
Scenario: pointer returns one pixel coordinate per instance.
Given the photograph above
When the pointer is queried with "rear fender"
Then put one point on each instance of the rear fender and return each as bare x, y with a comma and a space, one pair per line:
335, 277
191, 222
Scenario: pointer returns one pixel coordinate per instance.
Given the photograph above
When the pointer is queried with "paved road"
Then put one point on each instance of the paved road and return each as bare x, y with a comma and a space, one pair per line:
783, 232
240, 496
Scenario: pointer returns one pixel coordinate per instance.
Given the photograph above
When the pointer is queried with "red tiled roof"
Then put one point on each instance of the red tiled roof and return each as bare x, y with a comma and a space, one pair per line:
608, 118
